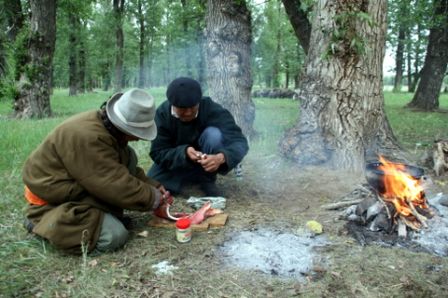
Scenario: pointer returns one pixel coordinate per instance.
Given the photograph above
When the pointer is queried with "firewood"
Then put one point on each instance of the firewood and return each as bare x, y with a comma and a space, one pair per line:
401, 228
338, 205
440, 156
427, 212
413, 224
387, 209
374, 209
422, 219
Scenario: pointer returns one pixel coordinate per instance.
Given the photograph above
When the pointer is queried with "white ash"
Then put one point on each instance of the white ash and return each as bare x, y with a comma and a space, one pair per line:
435, 236
272, 252
163, 268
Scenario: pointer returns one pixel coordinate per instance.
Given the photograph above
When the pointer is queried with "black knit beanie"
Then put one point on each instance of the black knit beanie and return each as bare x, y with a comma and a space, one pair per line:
184, 92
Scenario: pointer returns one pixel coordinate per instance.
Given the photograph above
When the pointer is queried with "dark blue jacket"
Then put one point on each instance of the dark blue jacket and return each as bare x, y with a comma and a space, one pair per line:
168, 149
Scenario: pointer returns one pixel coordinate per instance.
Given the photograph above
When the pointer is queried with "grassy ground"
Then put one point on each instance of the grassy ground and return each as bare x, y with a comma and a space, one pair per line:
272, 193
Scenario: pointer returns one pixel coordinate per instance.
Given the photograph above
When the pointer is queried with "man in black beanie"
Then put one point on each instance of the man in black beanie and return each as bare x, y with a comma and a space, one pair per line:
196, 139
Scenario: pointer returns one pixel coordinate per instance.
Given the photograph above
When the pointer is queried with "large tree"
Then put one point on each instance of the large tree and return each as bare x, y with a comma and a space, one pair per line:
228, 38
427, 95
119, 43
35, 82
342, 119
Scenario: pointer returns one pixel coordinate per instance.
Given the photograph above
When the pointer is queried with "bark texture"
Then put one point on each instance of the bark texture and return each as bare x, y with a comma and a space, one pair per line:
428, 91
35, 83
342, 119
228, 52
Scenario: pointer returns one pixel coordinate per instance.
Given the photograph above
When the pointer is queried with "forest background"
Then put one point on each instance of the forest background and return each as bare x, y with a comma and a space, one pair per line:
164, 39
102, 47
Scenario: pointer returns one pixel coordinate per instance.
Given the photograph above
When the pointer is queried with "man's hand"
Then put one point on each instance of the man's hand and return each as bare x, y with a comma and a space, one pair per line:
163, 197
211, 162
194, 155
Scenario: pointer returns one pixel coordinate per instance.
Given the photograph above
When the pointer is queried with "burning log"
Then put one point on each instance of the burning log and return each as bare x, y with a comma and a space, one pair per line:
417, 215
414, 225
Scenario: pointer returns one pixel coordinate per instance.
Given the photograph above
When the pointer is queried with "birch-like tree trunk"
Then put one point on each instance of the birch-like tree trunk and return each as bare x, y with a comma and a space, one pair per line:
342, 119
35, 83
228, 52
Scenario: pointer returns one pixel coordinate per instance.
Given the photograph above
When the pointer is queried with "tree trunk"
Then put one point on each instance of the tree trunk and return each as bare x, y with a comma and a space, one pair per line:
428, 91
299, 21
276, 65
399, 57
409, 62
15, 18
228, 50
35, 83
82, 66
118, 13
417, 58
142, 41
342, 119
73, 53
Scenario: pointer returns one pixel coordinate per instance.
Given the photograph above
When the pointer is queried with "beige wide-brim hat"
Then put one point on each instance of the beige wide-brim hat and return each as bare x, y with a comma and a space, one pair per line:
133, 113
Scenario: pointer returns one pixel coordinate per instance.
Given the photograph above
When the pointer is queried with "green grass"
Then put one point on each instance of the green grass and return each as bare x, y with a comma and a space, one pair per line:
26, 261
414, 127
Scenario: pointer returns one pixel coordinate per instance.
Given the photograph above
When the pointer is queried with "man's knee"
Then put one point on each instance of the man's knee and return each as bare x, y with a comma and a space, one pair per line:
211, 139
113, 234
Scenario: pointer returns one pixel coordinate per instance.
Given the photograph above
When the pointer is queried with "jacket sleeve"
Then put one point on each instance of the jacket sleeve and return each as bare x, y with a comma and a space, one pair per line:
234, 141
163, 151
95, 164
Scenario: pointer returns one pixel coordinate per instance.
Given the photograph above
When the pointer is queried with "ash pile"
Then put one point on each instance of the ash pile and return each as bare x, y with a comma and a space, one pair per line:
394, 209
276, 253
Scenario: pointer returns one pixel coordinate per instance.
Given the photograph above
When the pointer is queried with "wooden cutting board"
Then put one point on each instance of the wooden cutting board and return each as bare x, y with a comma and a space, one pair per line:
217, 221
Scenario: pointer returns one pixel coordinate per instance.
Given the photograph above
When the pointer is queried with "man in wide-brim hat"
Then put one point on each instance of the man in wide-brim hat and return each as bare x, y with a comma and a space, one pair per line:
83, 175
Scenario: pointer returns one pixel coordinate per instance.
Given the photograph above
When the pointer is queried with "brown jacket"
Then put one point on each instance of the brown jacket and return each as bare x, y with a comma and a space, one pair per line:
82, 172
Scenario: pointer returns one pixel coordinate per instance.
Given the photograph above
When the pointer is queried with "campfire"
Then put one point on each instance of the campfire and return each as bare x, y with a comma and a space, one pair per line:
402, 196
394, 201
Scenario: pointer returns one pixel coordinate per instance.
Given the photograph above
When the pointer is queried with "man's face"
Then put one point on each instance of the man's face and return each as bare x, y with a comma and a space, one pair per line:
186, 114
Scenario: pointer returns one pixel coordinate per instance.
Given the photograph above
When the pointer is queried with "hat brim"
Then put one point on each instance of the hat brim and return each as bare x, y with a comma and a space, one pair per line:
145, 133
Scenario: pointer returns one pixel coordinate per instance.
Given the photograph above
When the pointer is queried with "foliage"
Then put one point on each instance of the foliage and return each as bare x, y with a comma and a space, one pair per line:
415, 17
346, 40
276, 50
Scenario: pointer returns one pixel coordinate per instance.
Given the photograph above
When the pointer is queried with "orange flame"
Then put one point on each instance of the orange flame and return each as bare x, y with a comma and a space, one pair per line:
401, 189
